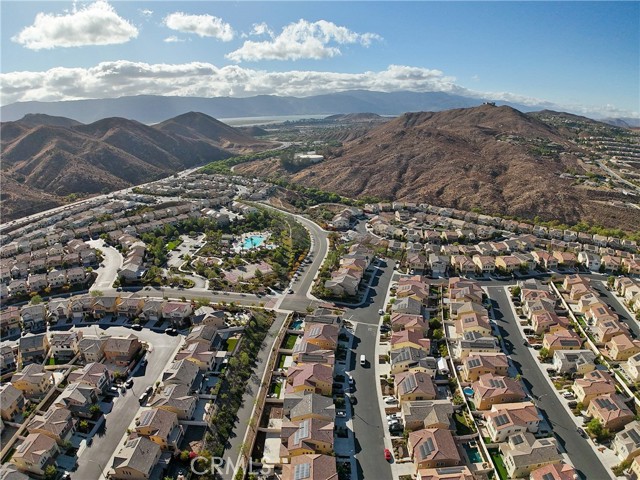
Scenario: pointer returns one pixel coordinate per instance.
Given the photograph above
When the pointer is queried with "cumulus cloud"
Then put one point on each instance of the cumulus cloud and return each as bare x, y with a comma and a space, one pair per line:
199, 79
95, 24
300, 40
146, 12
173, 39
201, 25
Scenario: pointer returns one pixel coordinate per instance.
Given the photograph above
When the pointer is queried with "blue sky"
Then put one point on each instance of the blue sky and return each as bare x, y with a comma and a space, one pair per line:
581, 56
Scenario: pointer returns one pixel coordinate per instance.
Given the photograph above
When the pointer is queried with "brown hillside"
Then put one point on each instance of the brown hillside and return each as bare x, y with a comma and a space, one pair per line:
43, 160
486, 157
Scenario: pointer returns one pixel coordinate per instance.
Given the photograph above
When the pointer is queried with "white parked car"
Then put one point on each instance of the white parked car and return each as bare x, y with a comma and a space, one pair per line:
394, 416
390, 400
381, 312
568, 395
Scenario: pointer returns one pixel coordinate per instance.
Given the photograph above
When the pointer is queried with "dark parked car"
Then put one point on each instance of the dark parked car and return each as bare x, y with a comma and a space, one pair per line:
136, 327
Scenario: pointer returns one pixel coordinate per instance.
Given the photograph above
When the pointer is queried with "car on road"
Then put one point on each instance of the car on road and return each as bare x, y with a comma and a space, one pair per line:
387, 455
582, 433
352, 399
123, 390
381, 312
290, 290
143, 398
129, 383
525, 342
137, 327
170, 331
113, 390
390, 400
149, 390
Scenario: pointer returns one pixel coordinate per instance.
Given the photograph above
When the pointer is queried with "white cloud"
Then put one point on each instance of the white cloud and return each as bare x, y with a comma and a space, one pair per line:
261, 29
202, 25
94, 24
198, 79
173, 39
146, 12
302, 39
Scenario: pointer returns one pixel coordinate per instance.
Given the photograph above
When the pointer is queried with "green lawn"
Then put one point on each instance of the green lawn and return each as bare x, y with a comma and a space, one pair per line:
231, 344
173, 245
277, 388
499, 463
283, 358
289, 341
462, 427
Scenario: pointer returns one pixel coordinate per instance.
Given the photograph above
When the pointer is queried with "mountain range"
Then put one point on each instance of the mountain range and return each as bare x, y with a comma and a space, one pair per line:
152, 109
492, 158
46, 158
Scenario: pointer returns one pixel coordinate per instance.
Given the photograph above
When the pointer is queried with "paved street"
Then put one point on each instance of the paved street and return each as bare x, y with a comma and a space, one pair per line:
564, 429
125, 407
367, 423
112, 262
614, 303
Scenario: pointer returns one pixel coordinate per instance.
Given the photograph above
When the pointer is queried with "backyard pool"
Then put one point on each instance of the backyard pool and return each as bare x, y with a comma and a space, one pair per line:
472, 453
468, 391
296, 325
252, 241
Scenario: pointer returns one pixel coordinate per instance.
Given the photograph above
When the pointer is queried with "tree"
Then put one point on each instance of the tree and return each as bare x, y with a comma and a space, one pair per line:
36, 299
97, 293
443, 350
239, 474
94, 409
544, 354
50, 472
515, 291
83, 425
610, 281
437, 334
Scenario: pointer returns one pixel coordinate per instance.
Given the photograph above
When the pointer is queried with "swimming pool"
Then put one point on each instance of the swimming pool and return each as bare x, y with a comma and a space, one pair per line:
468, 391
296, 325
472, 453
252, 241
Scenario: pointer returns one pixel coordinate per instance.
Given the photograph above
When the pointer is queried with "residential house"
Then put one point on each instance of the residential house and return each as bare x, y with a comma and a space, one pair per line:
403, 321
305, 352
177, 313
95, 375
7, 360
312, 466
58, 309
412, 386
565, 259
161, 427
410, 338
136, 460
175, 398
152, 309
77, 397
33, 317
10, 322
492, 389
92, 348
561, 339
478, 364
130, 306
611, 410
35, 454
545, 259
182, 372
626, 443
474, 342
310, 377
33, 380
309, 405
590, 260
484, 263
554, 471
632, 367
523, 453
542, 322
306, 437
208, 316
592, 385
105, 305
419, 414
577, 362
407, 305
199, 354
121, 350
507, 419
622, 347
508, 263
460, 472
407, 359
8, 471
605, 330
203, 334
57, 423
324, 336
63, 346
32, 348
11, 402
432, 448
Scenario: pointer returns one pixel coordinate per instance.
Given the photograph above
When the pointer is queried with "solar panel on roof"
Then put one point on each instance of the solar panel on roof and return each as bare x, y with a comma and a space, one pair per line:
548, 476
501, 420
146, 418
302, 470
473, 363
427, 448
409, 383
302, 432
635, 437
517, 439
606, 404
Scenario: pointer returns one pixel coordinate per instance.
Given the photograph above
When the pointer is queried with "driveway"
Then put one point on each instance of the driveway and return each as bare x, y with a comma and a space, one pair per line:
564, 428
112, 262
96, 458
